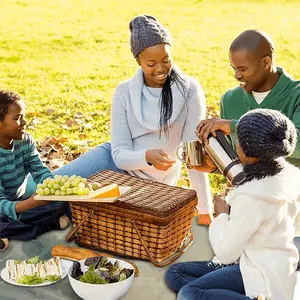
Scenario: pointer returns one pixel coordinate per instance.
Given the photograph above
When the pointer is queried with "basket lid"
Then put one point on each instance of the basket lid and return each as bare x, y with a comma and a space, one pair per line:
146, 196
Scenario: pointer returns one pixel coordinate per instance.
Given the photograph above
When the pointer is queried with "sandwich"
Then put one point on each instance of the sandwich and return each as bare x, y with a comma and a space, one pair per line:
38, 272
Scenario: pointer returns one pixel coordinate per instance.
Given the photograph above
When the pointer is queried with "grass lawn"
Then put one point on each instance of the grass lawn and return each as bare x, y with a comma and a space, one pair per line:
66, 56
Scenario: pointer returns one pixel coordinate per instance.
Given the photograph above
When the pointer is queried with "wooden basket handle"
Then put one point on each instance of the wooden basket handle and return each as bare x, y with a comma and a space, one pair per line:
69, 237
171, 258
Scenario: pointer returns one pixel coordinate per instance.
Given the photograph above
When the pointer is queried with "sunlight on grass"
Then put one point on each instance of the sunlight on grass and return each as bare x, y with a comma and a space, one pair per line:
70, 55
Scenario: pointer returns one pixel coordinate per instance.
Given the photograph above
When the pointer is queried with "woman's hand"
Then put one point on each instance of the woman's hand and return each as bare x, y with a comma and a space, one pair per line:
159, 159
220, 206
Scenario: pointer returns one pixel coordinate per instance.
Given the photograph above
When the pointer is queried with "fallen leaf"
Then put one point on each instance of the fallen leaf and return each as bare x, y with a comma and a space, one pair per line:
52, 140
44, 159
60, 140
88, 125
33, 123
78, 121
50, 111
33, 114
55, 163
69, 123
82, 136
79, 143
78, 115
54, 152
56, 155
57, 147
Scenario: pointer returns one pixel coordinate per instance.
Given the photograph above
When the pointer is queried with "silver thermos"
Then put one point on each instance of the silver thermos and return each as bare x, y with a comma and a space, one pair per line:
225, 158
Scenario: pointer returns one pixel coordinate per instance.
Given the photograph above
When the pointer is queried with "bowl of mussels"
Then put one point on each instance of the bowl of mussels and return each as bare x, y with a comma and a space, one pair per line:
101, 277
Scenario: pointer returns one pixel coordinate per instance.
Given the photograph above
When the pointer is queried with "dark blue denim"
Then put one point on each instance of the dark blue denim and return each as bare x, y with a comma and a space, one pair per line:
206, 280
33, 222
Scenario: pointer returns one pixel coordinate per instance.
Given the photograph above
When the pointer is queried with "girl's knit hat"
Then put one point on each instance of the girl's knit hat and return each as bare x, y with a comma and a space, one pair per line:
266, 134
146, 31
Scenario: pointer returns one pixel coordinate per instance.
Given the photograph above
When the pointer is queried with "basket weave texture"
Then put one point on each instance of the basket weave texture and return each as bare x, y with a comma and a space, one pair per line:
150, 215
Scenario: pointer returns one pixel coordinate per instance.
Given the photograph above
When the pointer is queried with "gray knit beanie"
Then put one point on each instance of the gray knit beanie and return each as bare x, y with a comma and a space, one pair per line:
146, 31
266, 134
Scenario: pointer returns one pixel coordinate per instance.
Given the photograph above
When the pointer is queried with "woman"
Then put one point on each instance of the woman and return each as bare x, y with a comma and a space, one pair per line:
152, 114
255, 253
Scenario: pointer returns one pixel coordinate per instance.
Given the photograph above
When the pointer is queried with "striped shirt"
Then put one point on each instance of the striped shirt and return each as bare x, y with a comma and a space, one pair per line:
15, 165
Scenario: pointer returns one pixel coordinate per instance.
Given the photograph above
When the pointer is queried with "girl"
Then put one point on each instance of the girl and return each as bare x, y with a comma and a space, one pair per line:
152, 114
255, 253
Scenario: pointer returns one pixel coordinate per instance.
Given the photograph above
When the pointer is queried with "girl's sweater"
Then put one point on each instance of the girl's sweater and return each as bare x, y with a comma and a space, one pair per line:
259, 233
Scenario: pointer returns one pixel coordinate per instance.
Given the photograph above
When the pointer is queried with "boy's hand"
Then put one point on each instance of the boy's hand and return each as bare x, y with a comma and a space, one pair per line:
42, 202
30, 203
159, 159
39, 202
220, 206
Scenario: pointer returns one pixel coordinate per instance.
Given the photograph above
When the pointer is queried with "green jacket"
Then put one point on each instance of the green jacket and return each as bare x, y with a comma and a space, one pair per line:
284, 96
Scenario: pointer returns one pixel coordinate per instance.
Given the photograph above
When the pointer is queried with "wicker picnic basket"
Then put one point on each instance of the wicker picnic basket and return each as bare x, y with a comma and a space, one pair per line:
151, 221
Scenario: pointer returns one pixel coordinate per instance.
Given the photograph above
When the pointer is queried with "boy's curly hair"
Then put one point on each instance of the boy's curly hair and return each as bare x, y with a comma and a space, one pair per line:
7, 98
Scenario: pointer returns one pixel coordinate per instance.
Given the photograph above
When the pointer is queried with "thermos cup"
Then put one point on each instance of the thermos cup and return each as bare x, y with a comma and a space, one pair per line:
220, 151
193, 153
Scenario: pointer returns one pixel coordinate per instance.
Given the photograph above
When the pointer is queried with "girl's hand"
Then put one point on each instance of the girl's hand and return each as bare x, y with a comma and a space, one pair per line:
220, 206
159, 159
207, 166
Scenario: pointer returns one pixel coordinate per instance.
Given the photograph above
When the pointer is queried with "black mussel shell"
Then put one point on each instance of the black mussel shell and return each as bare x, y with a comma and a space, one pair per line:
76, 272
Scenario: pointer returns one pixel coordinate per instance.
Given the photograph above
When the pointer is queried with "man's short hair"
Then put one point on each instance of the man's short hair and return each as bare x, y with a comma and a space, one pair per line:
252, 40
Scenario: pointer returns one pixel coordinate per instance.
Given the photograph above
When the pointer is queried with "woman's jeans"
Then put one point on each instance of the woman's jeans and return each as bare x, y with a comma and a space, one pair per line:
207, 281
91, 162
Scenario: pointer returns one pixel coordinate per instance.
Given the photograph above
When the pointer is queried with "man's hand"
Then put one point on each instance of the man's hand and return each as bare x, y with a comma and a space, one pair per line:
159, 159
220, 206
205, 127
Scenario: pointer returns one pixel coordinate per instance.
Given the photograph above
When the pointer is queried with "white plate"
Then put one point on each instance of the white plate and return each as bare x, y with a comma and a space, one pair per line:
83, 198
66, 264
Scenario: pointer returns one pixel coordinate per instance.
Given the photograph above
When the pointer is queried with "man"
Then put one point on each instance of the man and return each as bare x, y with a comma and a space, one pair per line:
262, 85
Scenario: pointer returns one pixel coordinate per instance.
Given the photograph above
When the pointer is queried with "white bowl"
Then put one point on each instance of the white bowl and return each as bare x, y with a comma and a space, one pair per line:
110, 291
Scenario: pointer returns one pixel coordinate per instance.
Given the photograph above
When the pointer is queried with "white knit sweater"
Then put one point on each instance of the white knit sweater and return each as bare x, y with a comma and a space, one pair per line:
135, 129
259, 233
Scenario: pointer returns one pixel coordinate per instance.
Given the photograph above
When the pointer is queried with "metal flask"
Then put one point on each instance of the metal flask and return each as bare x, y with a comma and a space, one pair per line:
226, 159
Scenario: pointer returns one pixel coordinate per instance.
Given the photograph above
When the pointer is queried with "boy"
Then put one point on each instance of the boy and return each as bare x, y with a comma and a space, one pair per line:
22, 217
